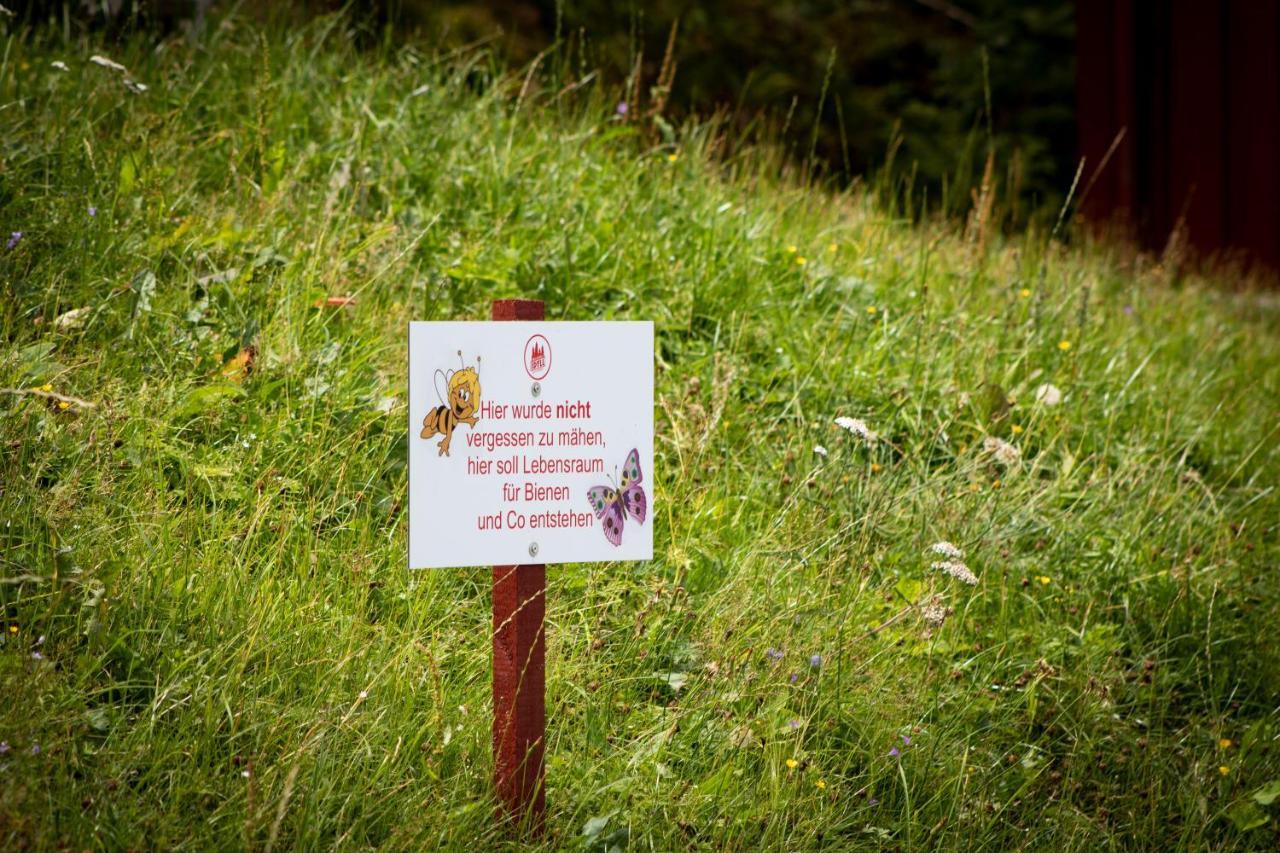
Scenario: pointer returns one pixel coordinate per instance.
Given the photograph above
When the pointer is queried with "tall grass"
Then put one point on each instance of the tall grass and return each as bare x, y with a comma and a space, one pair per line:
211, 641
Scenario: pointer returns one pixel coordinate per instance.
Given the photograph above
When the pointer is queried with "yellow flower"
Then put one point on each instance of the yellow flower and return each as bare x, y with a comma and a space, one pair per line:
1064, 345
671, 158
46, 387
822, 784
63, 405
13, 629
973, 487
1224, 769
875, 468
1025, 292
1225, 743
800, 260
831, 247
792, 763
1044, 579
871, 310
1015, 429
791, 250
995, 484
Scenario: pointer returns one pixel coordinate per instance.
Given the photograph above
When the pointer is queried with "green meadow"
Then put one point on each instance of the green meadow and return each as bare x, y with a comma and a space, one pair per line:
210, 638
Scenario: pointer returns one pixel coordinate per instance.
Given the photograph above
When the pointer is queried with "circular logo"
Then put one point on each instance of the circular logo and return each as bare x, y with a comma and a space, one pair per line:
537, 357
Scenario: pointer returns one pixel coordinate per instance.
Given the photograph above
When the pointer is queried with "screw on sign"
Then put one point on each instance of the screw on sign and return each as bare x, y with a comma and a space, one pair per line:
519, 662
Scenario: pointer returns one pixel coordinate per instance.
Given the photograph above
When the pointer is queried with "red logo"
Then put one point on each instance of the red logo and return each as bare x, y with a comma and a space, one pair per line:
537, 357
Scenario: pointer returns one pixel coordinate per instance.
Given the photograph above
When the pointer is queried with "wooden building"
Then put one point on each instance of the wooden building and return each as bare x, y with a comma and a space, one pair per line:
1192, 91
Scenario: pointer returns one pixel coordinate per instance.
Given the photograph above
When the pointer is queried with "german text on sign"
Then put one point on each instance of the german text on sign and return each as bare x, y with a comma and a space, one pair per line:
530, 442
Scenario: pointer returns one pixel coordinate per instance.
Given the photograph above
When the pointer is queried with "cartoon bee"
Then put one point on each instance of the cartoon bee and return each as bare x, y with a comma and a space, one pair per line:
464, 402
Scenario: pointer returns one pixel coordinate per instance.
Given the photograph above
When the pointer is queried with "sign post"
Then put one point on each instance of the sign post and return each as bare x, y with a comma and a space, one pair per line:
519, 663
529, 443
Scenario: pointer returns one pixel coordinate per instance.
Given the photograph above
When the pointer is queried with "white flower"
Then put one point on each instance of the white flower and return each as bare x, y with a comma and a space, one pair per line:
1004, 452
820, 450
1048, 394
109, 64
134, 86
934, 612
858, 427
957, 570
59, 65
946, 549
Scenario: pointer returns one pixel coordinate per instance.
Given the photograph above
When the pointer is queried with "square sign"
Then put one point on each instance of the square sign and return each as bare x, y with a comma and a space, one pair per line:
530, 442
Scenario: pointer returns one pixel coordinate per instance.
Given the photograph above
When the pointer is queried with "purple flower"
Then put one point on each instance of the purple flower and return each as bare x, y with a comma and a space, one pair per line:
621, 108
14, 239
893, 753
794, 677
774, 655
93, 211
873, 802
37, 656
795, 724
35, 749
4, 746
906, 741
815, 661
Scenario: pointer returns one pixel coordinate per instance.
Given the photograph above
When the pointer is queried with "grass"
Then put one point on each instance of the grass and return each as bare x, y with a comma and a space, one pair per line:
210, 639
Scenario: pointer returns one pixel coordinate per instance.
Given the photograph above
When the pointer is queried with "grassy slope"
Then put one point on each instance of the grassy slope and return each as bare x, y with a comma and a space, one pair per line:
218, 574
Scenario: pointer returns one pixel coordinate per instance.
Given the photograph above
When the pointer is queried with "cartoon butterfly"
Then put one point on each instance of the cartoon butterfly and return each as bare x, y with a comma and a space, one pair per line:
610, 503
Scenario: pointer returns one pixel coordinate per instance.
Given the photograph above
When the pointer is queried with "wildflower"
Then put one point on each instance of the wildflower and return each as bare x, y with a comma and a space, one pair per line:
1045, 580
46, 387
822, 784
364, 694
37, 656
1015, 429
59, 65
794, 724
946, 549
35, 749
894, 753
1064, 345
832, 248
14, 239
93, 211
774, 655
873, 802
109, 64
1224, 769
820, 450
934, 612
957, 570
1025, 292
245, 773
63, 405
1049, 395
1128, 310
858, 427
4, 746
13, 629
875, 467
794, 677
671, 158
815, 661
791, 250
801, 261
1225, 743
871, 310
621, 109
1004, 452
906, 740
792, 763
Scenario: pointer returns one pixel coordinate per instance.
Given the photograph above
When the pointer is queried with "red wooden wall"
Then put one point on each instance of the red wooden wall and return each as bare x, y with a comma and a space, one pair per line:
1196, 88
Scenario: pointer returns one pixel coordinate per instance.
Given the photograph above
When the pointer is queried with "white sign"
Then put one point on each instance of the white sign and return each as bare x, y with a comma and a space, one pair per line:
530, 442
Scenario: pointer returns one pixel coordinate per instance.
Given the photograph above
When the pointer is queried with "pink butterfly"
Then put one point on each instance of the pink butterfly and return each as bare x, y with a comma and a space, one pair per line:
610, 504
